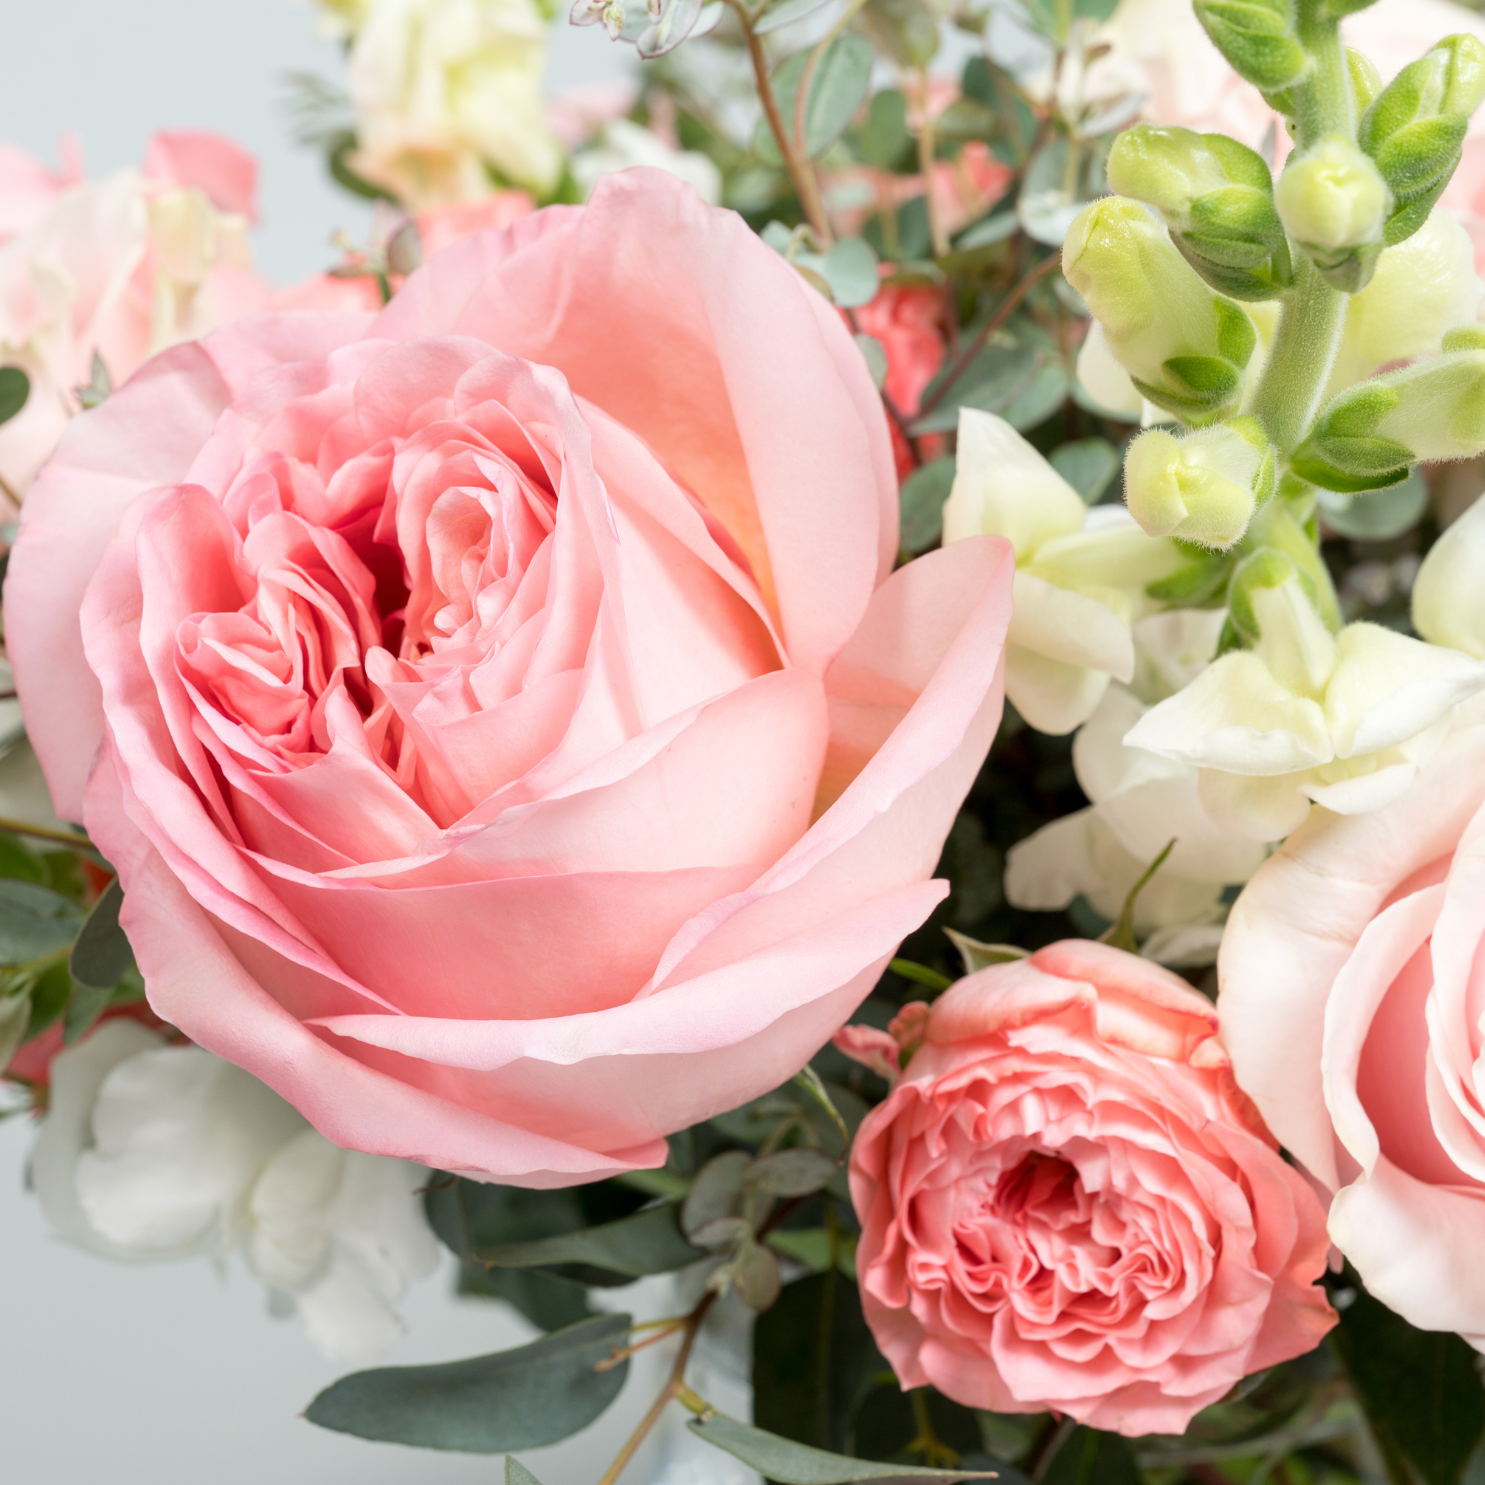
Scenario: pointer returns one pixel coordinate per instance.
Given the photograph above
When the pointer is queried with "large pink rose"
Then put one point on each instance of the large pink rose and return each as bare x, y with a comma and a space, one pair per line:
1353, 979
511, 735
1068, 1204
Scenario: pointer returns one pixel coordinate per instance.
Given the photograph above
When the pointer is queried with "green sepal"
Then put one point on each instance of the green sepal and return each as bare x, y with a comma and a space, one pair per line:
1236, 226
1465, 338
1236, 337
1406, 220
1195, 585
1351, 271
1256, 38
1193, 410
1413, 158
1366, 81
1309, 465
1210, 381
1242, 166
1333, 10
1266, 568
1357, 412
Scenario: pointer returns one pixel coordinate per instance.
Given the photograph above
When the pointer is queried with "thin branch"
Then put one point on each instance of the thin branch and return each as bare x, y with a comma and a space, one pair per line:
937, 235
47, 832
1003, 312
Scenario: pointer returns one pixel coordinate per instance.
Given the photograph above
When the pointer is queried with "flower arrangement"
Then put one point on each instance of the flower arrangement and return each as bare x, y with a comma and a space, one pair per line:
846, 688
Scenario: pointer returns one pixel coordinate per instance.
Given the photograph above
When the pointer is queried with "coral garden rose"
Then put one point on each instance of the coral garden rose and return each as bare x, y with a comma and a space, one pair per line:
1066, 1203
1353, 974
511, 735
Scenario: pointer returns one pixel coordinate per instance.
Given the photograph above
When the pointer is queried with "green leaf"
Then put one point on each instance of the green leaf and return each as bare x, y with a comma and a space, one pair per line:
521, 1399
1422, 1394
789, 1463
717, 1190
779, 16
1379, 515
1210, 380
546, 1300
1087, 464
850, 268
648, 1242
516, 1473
883, 139
15, 388
1093, 1458
1037, 401
907, 30
837, 90
18, 861
1054, 190
794, 1172
88, 1002
922, 498
102, 955
34, 922
50, 995
978, 956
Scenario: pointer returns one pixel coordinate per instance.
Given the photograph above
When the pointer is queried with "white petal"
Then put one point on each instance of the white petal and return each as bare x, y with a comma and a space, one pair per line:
1361, 792
1263, 809
1103, 764
1003, 487
1235, 716
1104, 379
1184, 945
1109, 556
1149, 815
1053, 697
1069, 627
1173, 648
1293, 641
1449, 592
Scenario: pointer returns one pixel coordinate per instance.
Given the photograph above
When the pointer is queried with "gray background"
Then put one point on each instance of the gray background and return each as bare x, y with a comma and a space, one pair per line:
174, 1374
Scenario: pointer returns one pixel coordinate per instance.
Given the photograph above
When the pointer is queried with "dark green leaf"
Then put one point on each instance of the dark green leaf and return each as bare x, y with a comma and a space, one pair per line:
102, 954
923, 494
1093, 1458
907, 30
1039, 399
779, 16
544, 1299
1420, 1389
18, 861
789, 1463
884, 140
797, 1172
992, 380
756, 1275
837, 89
88, 1002
516, 1473
648, 1242
15, 388
850, 268
49, 997
34, 922
521, 1399
716, 1191
1087, 464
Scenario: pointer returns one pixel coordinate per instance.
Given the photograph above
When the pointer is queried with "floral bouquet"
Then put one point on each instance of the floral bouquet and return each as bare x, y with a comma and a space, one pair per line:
826, 710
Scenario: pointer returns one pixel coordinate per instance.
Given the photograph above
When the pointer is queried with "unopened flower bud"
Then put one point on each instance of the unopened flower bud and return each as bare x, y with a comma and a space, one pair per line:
1184, 347
1257, 38
1366, 81
1202, 488
1434, 409
1335, 203
1415, 126
1216, 196
1273, 610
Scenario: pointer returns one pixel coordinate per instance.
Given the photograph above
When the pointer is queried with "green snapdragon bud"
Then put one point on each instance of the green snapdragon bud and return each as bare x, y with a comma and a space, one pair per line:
1366, 81
1217, 198
1184, 347
1257, 38
1202, 488
1367, 437
1335, 204
1415, 127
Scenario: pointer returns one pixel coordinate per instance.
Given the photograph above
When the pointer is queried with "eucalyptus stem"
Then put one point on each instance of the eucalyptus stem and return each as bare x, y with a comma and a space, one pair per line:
1313, 314
801, 171
926, 146
46, 832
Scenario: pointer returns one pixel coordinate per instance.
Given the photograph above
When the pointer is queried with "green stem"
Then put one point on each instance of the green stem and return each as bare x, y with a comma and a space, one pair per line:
1300, 359
1323, 103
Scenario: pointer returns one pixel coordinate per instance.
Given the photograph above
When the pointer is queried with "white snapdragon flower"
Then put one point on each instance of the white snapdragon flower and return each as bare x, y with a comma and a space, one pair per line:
1449, 591
624, 144
151, 1151
1344, 720
446, 90
1140, 802
1080, 574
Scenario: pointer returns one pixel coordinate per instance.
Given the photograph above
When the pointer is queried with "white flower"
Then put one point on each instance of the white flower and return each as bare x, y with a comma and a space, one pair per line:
446, 90
625, 144
1344, 721
1449, 591
152, 1152
1140, 803
1080, 575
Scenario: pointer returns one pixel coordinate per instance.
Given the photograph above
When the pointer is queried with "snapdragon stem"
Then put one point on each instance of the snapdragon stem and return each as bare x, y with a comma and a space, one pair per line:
1310, 323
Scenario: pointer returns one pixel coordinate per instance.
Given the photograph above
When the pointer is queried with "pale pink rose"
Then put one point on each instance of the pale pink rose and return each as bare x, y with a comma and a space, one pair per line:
28, 188
1352, 973
576, 114
120, 268
510, 732
1066, 1202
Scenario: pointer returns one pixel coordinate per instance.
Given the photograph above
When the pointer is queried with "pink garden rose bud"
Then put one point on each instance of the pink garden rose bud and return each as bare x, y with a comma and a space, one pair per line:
510, 732
1067, 1204
1352, 973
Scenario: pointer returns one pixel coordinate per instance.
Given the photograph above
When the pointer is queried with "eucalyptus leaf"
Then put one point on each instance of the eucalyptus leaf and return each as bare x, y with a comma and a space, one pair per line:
716, 1191
789, 1463
1039, 399
15, 389
18, 861
796, 1172
922, 500
87, 1003
837, 89
850, 268
34, 921
992, 229
884, 140
1054, 190
521, 1399
516, 1473
992, 380
677, 20
874, 353
102, 955
779, 16
1087, 464
15, 1016
1377, 515
648, 1242
756, 1275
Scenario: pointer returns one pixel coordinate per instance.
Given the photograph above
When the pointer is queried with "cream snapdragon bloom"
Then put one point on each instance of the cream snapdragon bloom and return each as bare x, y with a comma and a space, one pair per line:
1449, 591
1080, 574
151, 1151
1141, 802
1345, 721
444, 92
